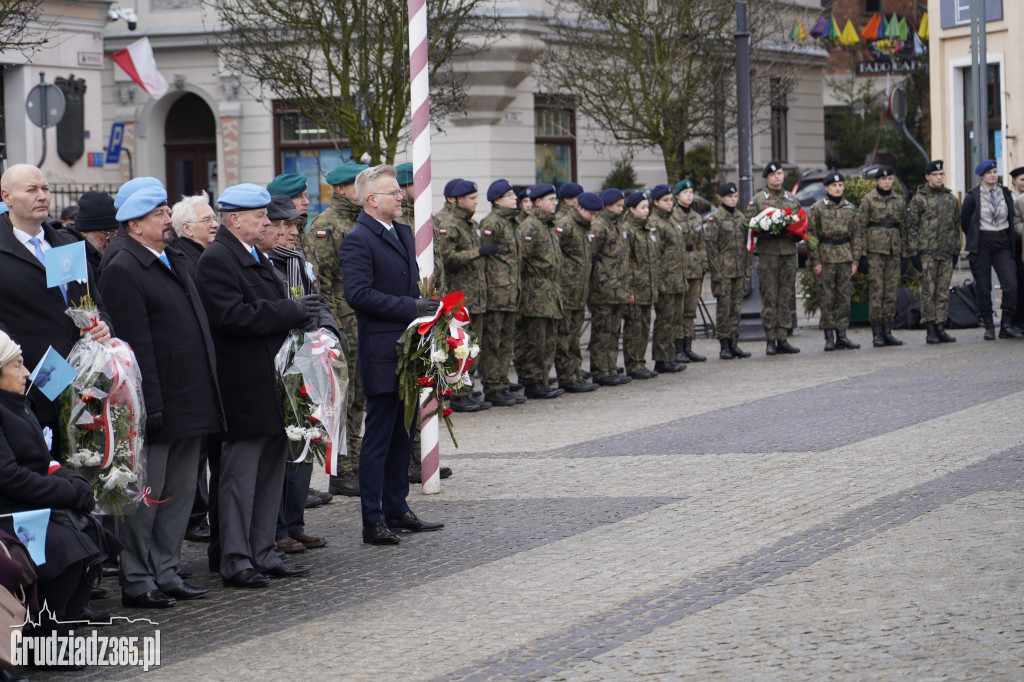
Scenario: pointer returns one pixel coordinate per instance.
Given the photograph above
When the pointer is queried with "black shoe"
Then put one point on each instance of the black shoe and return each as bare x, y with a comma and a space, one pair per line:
325, 498
770, 348
876, 335
843, 342
990, 332
286, 571
830, 339
680, 346
500, 399
465, 403
247, 577
185, 592
184, 573
379, 534
784, 346
931, 333
416, 473
688, 350
98, 617
154, 599
97, 593
409, 521
579, 386
1008, 332
515, 387
643, 373
940, 331
110, 570
614, 380
198, 532
669, 367
445, 472
888, 338
726, 352
520, 399
734, 346
346, 484
542, 392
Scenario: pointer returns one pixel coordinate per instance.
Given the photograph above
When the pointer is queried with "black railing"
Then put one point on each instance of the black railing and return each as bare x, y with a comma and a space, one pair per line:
66, 194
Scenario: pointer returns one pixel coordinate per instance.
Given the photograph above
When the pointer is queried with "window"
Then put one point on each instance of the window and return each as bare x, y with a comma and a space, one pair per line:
301, 147
872, 6
554, 140
779, 126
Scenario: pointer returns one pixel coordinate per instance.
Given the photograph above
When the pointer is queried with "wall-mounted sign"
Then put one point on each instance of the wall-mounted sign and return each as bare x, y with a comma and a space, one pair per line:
890, 66
955, 13
90, 59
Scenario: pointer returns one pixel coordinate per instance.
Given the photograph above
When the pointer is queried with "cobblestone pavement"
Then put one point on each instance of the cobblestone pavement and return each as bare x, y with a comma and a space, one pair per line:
849, 515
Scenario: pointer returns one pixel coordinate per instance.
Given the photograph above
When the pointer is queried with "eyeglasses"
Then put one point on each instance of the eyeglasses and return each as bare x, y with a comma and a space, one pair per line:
397, 195
209, 220
109, 234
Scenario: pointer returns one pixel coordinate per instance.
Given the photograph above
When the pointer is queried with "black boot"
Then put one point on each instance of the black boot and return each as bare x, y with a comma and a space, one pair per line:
726, 352
940, 331
681, 351
734, 346
876, 335
830, 339
784, 346
932, 334
688, 350
888, 338
843, 342
1008, 332
668, 367
990, 328
770, 348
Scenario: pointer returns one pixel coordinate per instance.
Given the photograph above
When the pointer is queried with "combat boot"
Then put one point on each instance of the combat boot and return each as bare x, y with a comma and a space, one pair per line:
843, 342
688, 350
830, 339
784, 346
668, 367
734, 346
932, 334
990, 328
876, 335
681, 351
1008, 332
888, 338
726, 352
940, 331
770, 348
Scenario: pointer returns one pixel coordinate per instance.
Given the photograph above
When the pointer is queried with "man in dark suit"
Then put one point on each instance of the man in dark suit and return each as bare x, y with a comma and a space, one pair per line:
250, 315
153, 299
378, 264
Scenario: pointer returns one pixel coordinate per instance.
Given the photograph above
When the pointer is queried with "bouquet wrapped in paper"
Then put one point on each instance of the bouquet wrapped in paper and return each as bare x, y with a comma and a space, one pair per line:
314, 377
103, 415
778, 221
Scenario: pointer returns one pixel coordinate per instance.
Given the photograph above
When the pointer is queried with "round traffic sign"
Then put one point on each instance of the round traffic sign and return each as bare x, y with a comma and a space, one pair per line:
45, 105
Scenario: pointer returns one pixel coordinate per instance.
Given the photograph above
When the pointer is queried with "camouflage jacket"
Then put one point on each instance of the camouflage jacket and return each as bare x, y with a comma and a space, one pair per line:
671, 251
643, 259
323, 241
695, 259
502, 269
610, 274
574, 240
726, 235
933, 220
775, 198
463, 264
542, 267
871, 234
832, 224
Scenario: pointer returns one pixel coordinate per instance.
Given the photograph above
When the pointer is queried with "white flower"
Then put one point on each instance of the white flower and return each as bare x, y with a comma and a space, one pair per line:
461, 352
118, 477
294, 432
474, 351
438, 357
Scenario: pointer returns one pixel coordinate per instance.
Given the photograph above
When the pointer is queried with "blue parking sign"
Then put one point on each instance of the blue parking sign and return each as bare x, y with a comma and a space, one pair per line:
114, 147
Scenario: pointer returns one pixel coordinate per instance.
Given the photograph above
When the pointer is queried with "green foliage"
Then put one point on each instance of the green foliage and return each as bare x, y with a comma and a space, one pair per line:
700, 168
851, 129
623, 176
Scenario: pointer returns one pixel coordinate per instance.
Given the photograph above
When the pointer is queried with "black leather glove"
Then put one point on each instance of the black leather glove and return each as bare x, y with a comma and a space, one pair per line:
309, 306
84, 500
916, 262
155, 421
903, 266
862, 265
956, 259
488, 249
426, 306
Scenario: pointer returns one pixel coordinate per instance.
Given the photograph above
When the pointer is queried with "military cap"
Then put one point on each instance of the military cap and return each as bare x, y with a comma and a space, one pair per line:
727, 188
244, 197
282, 208
541, 190
69, 212
681, 185
142, 202
611, 196
523, 194
569, 190
345, 174
832, 177
1017, 171
658, 191
132, 186
590, 201
984, 167
96, 212
459, 188
634, 198
404, 174
884, 172
933, 166
498, 189
771, 167
289, 184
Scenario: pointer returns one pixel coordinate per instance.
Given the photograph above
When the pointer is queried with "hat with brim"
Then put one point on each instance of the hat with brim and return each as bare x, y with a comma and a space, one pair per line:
289, 184
96, 212
140, 203
282, 208
244, 197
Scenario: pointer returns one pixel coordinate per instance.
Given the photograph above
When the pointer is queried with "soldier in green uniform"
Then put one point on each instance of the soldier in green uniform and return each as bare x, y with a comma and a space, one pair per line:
574, 238
293, 185
933, 219
695, 264
324, 240
540, 305
567, 198
730, 265
524, 204
776, 262
610, 282
668, 311
644, 266
830, 222
881, 242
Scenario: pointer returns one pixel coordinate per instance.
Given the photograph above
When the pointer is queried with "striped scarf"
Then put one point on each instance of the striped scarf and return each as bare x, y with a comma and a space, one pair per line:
295, 265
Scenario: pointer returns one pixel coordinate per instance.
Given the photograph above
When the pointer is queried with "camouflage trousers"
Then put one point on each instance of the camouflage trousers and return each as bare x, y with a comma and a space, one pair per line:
668, 326
690, 301
535, 349
935, 275
776, 275
605, 330
728, 302
636, 332
568, 357
835, 287
356, 405
496, 344
883, 282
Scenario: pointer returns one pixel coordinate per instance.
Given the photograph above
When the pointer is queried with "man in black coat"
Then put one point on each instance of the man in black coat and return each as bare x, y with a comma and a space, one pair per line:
378, 265
95, 224
250, 315
152, 297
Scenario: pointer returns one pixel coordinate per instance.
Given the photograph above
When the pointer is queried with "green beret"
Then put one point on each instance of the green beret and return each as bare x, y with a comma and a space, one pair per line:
404, 174
681, 185
345, 173
289, 184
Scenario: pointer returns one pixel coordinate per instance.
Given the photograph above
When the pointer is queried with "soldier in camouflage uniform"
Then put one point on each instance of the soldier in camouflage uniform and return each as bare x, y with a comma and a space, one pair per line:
540, 305
644, 266
730, 265
323, 242
830, 225
668, 311
567, 199
610, 295
776, 262
525, 204
695, 264
881, 243
574, 237
933, 219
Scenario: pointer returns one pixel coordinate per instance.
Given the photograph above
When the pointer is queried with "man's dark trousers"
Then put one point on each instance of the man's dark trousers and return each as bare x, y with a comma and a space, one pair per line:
384, 459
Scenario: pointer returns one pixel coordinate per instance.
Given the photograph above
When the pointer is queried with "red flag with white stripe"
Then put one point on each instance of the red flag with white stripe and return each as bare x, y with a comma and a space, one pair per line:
138, 62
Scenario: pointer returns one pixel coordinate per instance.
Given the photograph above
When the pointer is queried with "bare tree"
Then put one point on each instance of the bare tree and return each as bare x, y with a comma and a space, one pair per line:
18, 22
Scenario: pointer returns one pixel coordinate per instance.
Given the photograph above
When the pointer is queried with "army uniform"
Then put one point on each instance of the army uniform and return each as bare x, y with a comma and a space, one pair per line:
574, 241
502, 273
880, 233
730, 264
831, 222
776, 266
695, 264
540, 304
644, 266
610, 289
933, 221
668, 321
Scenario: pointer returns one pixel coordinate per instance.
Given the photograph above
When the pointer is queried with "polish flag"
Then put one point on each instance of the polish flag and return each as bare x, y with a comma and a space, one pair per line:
138, 62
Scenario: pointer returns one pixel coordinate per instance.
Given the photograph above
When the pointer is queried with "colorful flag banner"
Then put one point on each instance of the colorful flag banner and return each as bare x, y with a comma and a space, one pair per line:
849, 35
138, 62
870, 31
30, 527
819, 28
922, 30
53, 374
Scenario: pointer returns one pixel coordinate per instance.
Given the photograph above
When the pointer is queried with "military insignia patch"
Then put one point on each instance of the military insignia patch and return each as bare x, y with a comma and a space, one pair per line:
487, 233
443, 231
527, 239
558, 230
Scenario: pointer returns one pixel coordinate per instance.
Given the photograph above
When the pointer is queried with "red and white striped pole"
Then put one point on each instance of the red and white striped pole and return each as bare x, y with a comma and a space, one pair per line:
420, 100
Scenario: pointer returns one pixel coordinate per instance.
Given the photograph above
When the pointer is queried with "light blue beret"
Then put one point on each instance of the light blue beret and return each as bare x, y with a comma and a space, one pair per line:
244, 197
141, 202
132, 186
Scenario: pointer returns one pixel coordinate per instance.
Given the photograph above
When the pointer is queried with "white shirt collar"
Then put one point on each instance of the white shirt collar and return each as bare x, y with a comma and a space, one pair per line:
23, 237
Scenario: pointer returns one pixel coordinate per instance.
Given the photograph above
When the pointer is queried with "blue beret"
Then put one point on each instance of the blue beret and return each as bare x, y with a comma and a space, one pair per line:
984, 167
832, 177
290, 184
610, 196
769, 167
569, 190
658, 191
459, 188
590, 201
498, 189
132, 186
244, 197
141, 202
681, 185
345, 173
634, 198
725, 189
448, 187
404, 171
542, 190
